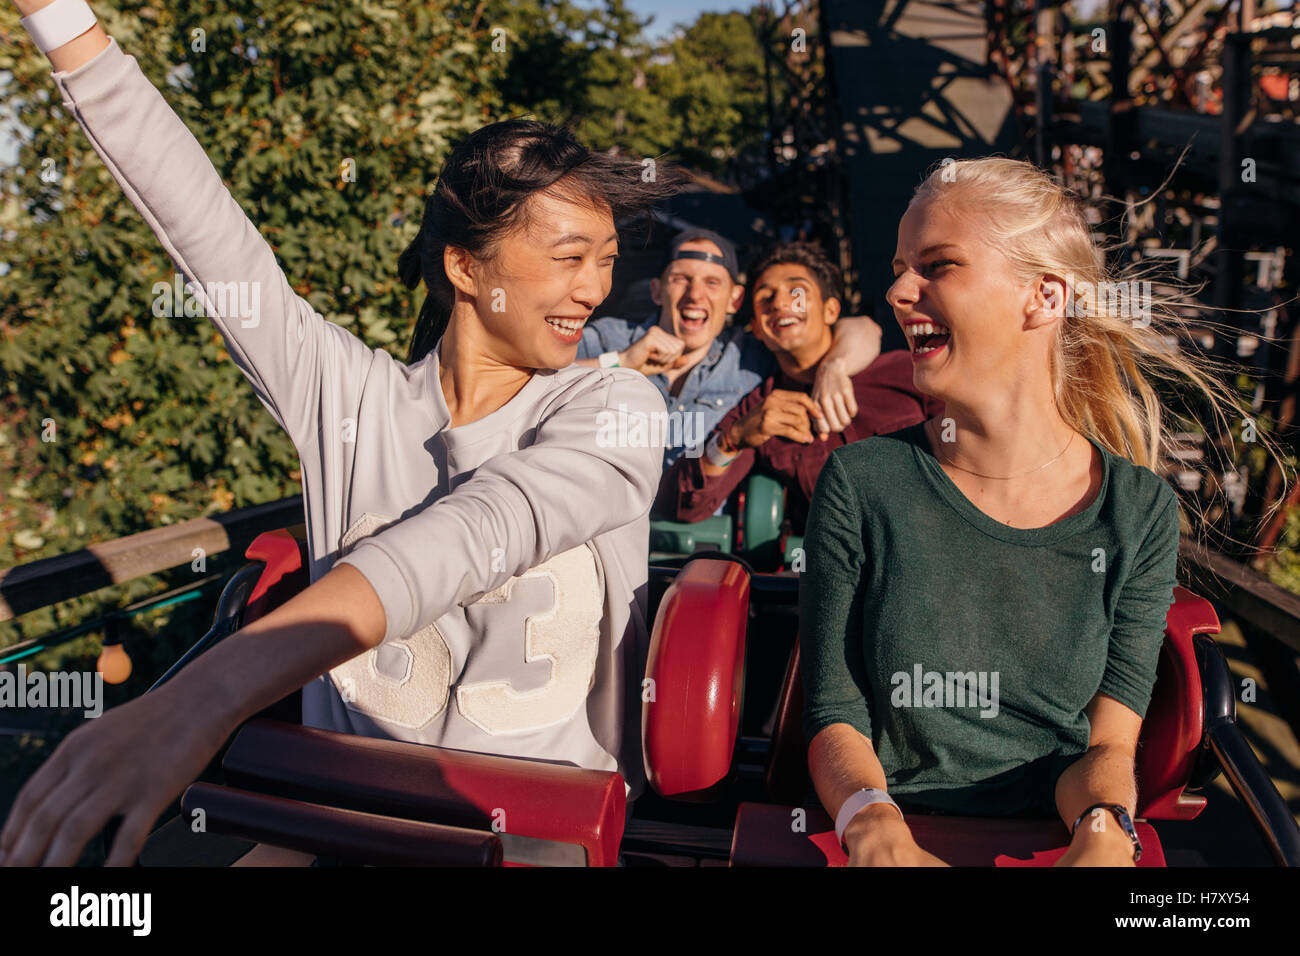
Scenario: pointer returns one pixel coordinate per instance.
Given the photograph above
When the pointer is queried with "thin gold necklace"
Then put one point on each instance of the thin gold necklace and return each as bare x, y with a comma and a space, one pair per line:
977, 474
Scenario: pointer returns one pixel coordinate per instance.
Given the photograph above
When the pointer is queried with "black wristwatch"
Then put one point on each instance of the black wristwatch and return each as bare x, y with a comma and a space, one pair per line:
1125, 823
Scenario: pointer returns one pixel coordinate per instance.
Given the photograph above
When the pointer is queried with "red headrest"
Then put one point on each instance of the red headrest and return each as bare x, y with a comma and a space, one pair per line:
1173, 726
691, 710
285, 573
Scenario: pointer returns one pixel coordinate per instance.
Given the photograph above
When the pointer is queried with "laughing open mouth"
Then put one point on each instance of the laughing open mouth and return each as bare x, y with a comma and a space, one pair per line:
567, 328
927, 337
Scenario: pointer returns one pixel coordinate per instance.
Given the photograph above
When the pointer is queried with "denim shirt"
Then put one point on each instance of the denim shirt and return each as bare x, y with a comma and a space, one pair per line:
735, 365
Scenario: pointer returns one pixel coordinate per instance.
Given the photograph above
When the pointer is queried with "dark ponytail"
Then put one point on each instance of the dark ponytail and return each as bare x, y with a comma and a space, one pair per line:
482, 193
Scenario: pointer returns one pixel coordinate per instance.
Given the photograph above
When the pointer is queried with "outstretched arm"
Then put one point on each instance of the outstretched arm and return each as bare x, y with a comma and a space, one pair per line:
134, 759
284, 347
534, 503
582, 477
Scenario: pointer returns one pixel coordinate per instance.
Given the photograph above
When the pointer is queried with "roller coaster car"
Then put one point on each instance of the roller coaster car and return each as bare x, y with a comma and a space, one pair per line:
715, 792
751, 525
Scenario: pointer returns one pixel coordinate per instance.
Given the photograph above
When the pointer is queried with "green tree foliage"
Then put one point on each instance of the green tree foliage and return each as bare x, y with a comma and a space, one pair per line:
698, 96
711, 79
565, 63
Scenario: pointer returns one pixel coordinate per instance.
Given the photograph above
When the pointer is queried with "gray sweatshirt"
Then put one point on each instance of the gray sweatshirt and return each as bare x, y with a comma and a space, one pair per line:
509, 553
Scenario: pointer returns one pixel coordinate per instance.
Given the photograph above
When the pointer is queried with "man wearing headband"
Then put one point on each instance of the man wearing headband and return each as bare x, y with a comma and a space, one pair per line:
702, 367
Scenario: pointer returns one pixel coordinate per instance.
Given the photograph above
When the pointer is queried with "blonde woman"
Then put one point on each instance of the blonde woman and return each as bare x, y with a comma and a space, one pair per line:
1022, 540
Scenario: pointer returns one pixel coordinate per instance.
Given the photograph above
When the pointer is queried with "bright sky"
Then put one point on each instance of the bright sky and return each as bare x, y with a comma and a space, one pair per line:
669, 12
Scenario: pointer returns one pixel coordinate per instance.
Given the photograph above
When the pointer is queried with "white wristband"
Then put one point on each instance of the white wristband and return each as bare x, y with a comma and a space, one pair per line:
856, 804
608, 360
63, 20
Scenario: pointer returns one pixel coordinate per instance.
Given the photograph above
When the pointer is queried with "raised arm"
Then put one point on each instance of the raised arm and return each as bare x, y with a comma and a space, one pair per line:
837, 716
282, 345
652, 353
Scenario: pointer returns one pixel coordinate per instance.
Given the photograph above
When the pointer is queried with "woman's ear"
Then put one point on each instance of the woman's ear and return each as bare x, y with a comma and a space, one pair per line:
459, 264
1047, 304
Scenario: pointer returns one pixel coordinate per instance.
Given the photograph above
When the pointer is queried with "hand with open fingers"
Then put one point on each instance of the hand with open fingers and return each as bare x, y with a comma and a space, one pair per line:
130, 762
654, 352
833, 394
783, 413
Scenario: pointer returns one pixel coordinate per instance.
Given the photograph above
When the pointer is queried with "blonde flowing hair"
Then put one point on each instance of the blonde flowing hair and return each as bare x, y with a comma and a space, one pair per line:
1105, 364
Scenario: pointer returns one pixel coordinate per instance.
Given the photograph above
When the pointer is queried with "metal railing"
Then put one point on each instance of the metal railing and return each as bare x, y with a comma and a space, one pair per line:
38, 584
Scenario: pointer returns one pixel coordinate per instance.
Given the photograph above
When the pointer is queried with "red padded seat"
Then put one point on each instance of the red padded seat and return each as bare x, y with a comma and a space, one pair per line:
405, 781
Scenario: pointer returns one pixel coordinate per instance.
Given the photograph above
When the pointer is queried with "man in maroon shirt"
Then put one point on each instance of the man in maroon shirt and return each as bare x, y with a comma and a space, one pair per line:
797, 296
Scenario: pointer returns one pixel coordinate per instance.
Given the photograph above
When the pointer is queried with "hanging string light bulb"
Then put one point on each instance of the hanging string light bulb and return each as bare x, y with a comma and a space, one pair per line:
114, 663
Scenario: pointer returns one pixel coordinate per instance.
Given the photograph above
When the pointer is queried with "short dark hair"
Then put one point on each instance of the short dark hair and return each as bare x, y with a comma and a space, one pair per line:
829, 278
482, 194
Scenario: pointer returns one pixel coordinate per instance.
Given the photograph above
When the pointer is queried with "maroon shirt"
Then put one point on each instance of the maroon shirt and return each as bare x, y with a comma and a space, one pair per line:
887, 401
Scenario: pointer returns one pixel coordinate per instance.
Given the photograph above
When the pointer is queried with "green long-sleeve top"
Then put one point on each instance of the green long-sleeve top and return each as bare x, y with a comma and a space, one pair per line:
964, 649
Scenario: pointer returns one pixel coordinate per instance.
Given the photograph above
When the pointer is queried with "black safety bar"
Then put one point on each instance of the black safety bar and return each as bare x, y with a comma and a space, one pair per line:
1241, 768
227, 619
